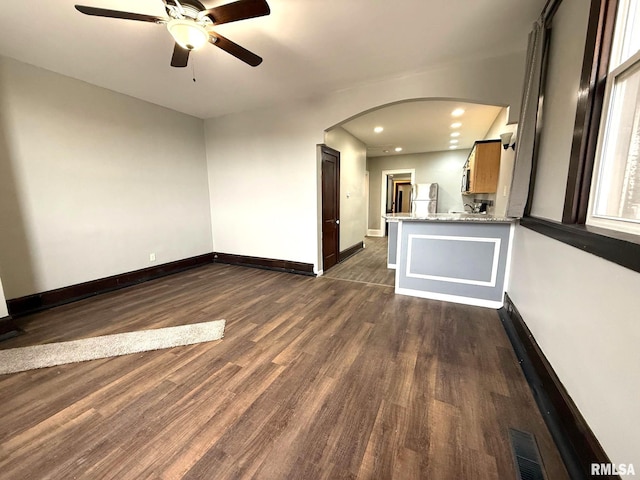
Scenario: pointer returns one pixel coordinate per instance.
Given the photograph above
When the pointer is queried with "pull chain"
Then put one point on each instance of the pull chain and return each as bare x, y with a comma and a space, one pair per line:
193, 69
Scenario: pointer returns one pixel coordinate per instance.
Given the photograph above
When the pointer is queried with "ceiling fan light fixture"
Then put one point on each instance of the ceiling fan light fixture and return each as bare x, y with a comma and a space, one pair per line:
188, 34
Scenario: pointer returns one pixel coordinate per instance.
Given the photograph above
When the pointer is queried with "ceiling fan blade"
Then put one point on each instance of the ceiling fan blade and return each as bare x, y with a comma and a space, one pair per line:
240, 10
236, 50
103, 12
180, 56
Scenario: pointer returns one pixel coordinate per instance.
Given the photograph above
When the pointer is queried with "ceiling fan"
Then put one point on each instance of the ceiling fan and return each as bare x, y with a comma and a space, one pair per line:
190, 24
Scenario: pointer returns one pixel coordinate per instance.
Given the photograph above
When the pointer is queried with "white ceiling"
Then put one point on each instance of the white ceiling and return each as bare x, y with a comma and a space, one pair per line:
421, 126
310, 47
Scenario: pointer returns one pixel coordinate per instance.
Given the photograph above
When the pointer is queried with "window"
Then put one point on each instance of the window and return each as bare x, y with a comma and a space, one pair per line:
615, 193
601, 212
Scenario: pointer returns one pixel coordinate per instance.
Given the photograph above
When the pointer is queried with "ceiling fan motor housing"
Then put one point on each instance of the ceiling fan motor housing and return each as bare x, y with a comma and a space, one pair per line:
188, 8
188, 30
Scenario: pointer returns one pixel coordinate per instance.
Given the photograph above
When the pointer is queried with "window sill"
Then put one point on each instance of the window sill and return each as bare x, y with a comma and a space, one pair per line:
618, 247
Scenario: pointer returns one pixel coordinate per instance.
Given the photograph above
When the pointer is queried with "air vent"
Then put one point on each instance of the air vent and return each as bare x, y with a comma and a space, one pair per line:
526, 455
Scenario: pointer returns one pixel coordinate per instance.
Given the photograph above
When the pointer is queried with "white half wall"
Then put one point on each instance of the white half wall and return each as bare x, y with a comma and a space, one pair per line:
583, 312
353, 203
92, 182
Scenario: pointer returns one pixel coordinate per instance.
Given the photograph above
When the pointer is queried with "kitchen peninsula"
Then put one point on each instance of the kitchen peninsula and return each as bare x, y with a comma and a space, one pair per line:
456, 257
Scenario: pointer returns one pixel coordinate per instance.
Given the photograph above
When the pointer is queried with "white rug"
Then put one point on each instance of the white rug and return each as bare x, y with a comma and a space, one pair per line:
40, 356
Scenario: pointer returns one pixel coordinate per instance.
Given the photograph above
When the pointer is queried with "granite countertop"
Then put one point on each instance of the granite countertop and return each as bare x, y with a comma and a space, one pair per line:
447, 217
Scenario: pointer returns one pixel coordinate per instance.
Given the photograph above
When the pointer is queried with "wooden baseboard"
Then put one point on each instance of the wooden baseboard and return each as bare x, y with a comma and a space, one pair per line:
576, 442
265, 263
60, 296
41, 301
352, 250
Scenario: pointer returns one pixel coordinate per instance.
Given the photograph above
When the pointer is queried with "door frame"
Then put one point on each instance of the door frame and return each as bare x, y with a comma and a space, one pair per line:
383, 192
366, 196
396, 184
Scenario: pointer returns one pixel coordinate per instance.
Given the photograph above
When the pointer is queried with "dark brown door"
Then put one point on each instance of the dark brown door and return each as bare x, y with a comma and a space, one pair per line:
330, 207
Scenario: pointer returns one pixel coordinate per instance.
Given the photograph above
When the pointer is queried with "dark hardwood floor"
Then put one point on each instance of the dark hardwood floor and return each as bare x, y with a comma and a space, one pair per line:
315, 378
367, 266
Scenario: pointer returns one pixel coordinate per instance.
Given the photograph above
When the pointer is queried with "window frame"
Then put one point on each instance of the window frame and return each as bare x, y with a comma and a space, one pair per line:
619, 247
629, 66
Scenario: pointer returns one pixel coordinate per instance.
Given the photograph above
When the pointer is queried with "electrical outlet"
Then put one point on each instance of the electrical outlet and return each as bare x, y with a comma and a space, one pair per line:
504, 191
152, 257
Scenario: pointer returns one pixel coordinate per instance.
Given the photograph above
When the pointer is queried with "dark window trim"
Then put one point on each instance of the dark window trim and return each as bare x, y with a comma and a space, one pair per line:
618, 247
589, 110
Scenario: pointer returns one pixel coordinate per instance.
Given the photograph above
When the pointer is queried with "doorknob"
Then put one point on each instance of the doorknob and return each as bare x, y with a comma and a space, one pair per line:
338, 222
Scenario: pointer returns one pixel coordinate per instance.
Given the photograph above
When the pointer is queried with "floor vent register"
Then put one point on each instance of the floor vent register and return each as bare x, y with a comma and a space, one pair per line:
526, 455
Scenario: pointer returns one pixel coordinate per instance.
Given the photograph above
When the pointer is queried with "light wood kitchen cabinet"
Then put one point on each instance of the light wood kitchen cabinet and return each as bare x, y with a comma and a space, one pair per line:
481, 170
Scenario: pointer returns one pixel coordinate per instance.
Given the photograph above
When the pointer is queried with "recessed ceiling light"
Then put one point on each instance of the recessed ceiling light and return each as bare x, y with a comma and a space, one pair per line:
456, 125
398, 149
453, 147
457, 112
455, 134
378, 129
453, 141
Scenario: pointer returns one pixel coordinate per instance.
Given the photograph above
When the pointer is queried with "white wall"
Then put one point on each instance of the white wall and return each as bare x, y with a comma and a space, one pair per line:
272, 153
353, 204
3, 303
583, 312
443, 168
559, 111
270, 157
92, 182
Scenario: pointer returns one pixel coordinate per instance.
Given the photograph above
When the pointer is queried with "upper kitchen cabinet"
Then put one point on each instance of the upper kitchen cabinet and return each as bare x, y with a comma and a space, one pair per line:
481, 170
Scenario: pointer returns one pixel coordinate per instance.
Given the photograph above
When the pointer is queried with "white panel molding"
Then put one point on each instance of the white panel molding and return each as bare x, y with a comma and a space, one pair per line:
398, 252
494, 267
478, 302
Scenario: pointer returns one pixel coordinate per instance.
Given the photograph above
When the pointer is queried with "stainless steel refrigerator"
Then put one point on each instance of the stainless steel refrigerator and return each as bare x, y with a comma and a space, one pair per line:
424, 198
